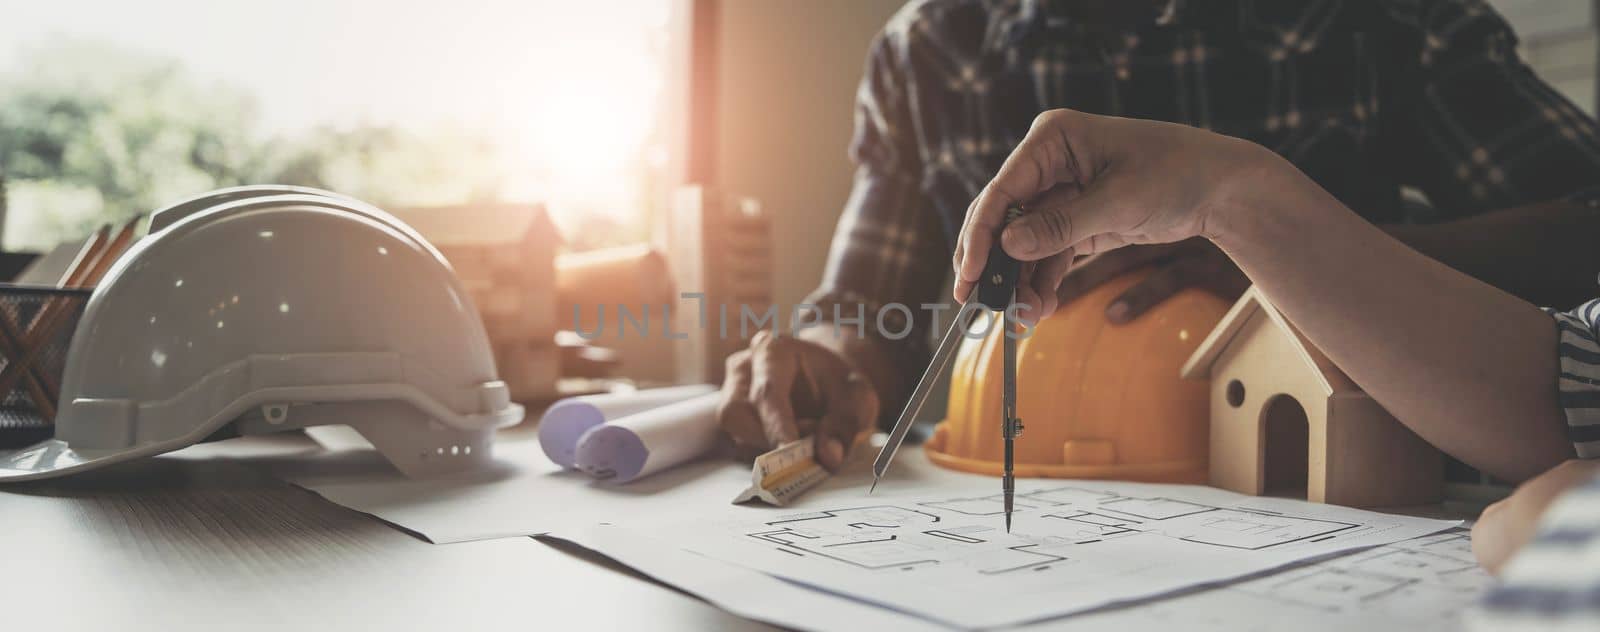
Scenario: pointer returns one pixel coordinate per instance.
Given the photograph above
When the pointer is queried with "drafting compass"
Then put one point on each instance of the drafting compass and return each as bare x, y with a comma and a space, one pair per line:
995, 292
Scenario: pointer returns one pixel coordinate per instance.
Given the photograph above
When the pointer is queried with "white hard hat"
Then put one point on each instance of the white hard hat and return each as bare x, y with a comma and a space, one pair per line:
261, 309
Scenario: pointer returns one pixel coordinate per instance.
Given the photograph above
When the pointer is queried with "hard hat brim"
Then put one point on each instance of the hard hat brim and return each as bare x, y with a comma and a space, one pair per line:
53, 457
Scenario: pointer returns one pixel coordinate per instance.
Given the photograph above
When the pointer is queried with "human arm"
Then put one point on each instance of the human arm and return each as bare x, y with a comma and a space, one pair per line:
1544, 253
888, 250
1466, 366
1539, 252
1506, 527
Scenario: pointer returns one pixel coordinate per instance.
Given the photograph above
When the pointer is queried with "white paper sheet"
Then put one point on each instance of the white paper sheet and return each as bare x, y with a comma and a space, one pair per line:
524, 494
1076, 545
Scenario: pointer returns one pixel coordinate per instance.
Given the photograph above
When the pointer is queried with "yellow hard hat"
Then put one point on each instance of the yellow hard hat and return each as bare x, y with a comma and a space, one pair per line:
1098, 400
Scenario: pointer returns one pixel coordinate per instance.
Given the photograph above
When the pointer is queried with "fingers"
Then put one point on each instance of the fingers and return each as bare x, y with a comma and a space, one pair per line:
1028, 292
961, 288
1167, 280
1052, 273
1041, 161
774, 369
1094, 271
1100, 244
1042, 280
1507, 526
1066, 216
852, 412
975, 240
1191, 263
1095, 183
1487, 538
782, 389
735, 414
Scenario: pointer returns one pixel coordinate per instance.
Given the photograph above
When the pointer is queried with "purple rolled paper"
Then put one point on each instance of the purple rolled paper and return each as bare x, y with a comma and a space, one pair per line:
566, 421
641, 444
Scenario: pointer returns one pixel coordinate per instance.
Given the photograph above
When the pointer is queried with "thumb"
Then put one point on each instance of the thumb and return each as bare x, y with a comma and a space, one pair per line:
1061, 219
849, 415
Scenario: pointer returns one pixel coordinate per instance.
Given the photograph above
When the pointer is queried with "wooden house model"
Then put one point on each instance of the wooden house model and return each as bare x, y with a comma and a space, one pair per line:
718, 245
1285, 421
504, 255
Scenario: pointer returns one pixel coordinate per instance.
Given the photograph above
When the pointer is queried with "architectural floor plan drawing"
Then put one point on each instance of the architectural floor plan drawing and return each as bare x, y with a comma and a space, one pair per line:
1421, 585
1073, 547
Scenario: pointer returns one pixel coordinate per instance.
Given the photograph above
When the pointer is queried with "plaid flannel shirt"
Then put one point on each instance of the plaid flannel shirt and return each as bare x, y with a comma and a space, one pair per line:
1365, 96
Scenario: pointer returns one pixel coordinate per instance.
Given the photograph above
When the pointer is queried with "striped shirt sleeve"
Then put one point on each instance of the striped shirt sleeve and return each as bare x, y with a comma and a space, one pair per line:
1578, 387
1553, 584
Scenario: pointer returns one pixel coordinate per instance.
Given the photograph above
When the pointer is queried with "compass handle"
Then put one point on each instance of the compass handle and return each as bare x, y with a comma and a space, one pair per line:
997, 287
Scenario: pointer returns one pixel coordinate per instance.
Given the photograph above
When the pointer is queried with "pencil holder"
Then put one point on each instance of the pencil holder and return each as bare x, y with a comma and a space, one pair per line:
36, 326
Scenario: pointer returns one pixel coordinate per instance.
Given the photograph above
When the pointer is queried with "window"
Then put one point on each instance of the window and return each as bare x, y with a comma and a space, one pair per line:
111, 108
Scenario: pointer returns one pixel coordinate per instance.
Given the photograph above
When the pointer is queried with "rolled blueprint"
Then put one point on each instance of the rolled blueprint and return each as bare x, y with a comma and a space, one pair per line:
644, 443
564, 423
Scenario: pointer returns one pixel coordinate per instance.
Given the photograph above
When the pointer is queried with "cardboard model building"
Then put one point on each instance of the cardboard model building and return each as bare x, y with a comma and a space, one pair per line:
719, 245
1286, 422
505, 256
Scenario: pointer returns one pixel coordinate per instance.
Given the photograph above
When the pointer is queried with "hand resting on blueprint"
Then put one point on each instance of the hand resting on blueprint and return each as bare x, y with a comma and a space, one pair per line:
785, 387
1480, 384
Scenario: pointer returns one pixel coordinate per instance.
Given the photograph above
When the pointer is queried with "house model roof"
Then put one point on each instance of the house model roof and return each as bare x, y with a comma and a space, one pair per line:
481, 224
1201, 364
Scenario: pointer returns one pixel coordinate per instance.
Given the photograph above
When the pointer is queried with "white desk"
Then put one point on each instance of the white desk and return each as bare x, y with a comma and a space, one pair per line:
190, 544
197, 541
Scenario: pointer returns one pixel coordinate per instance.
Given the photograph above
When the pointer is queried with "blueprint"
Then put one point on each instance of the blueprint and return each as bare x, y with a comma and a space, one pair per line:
1074, 547
1418, 585
930, 549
